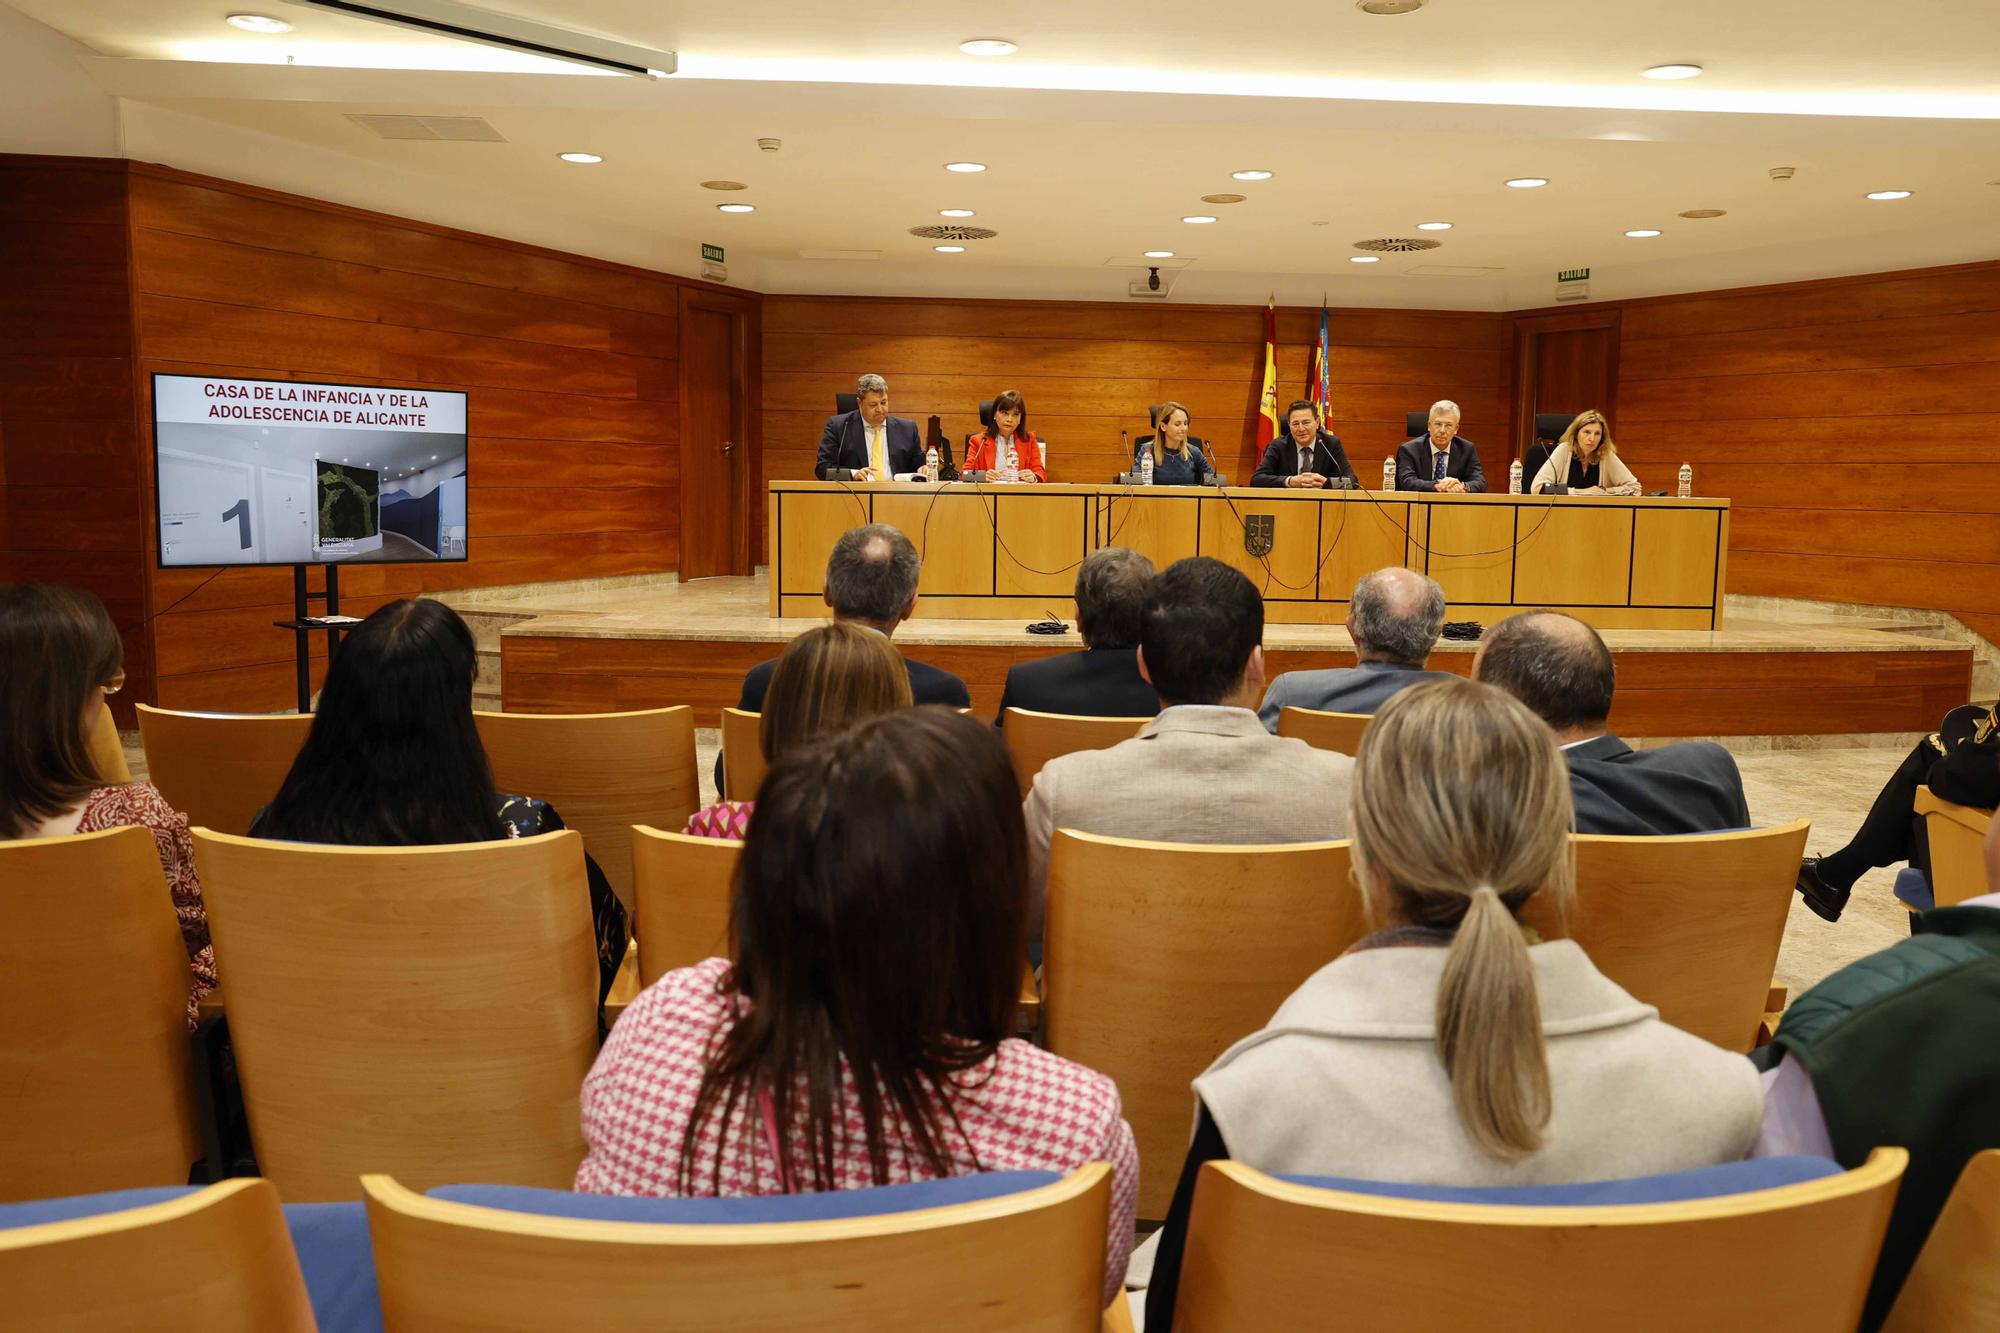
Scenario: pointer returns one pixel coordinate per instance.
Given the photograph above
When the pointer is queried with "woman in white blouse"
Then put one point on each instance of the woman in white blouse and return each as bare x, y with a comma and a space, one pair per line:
1586, 461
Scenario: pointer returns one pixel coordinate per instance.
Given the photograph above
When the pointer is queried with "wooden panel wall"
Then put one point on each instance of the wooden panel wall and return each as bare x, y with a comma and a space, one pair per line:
1090, 369
571, 365
71, 506
1854, 423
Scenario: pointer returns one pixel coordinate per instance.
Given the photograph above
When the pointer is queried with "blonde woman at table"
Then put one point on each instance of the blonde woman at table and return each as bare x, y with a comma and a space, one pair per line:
1586, 461
1177, 458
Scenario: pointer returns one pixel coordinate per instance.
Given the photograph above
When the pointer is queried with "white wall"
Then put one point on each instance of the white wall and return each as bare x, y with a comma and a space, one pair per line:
47, 103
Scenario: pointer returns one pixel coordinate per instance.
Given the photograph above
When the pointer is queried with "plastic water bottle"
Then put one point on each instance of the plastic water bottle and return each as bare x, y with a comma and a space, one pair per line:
1010, 464
1389, 474
1687, 482
1514, 478
931, 466
1145, 465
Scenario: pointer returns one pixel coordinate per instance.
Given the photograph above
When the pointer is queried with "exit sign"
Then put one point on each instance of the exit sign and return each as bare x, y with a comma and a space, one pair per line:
712, 254
1564, 275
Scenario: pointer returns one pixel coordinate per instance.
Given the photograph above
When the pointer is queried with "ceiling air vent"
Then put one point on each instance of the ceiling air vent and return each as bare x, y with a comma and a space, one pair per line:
1397, 245
954, 232
452, 129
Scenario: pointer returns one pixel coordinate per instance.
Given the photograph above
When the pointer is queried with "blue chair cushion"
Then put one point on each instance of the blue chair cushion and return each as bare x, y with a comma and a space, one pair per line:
770, 1208
338, 1263
35, 1212
1707, 1182
1913, 888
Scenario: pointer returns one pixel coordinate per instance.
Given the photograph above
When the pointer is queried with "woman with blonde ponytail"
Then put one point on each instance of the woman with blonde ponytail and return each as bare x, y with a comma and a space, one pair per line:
1452, 1046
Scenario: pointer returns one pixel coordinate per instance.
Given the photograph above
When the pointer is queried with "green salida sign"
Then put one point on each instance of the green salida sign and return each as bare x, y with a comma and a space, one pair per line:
1562, 275
712, 254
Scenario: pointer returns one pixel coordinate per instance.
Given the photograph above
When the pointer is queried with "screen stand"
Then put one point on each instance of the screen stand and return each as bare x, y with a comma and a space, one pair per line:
302, 625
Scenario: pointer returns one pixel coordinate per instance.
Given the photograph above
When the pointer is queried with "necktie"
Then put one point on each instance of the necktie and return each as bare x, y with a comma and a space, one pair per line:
881, 464
1305, 459
1437, 466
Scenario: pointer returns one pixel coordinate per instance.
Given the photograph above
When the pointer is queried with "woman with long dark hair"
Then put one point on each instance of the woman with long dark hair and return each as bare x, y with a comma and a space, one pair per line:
60, 659
879, 924
1008, 444
394, 759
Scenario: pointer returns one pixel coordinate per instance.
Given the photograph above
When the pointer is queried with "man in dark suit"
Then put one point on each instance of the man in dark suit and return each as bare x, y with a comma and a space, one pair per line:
1560, 668
871, 580
868, 444
1442, 461
1306, 457
1394, 618
1103, 680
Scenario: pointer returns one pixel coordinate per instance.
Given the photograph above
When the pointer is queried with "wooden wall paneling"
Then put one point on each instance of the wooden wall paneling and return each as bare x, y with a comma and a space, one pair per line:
1564, 361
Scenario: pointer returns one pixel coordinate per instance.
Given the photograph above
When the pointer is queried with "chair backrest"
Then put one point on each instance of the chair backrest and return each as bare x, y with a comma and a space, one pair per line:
220, 769
94, 983
1030, 1260
1958, 847
1690, 925
742, 753
1338, 732
1551, 425
1416, 423
217, 1259
684, 888
846, 402
1794, 1257
107, 752
1142, 981
1956, 1281
1035, 738
1531, 464
603, 772
426, 1010
986, 413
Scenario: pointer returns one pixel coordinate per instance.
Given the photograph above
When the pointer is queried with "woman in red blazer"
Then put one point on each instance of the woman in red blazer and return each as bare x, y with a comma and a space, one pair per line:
1010, 426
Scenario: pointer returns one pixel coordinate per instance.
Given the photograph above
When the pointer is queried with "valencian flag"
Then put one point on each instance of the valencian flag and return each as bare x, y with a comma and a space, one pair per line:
1267, 403
1316, 370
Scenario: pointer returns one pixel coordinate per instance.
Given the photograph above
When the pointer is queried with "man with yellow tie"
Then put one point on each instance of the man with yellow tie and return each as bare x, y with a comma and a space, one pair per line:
868, 444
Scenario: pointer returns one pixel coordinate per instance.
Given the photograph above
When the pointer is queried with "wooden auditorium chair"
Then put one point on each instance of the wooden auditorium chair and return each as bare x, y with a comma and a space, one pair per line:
107, 752
1027, 1258
1689, 924
1338, 732
1958, 838
1956, 1281
742, 754
94, 1069
219, 1260
683, 885
220, 769
1035, 738
429, 1011
1265, 1253
1157, 957
603, 773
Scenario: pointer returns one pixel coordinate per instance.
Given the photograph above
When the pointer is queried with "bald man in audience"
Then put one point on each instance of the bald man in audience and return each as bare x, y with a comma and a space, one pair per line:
1394, 618
1560, 668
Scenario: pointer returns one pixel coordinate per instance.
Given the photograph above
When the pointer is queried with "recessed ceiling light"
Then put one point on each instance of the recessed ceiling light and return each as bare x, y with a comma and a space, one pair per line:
1389, 7
949, 249
736, 208
258, 23
1677, 71
584, 159
1159, 254
1364, 259
956, 213
1255, 174
1888, 194
724, 185
1433, 226
965, 166
1527, 182
1198, 219
1704, 212
988, 46
1641, 233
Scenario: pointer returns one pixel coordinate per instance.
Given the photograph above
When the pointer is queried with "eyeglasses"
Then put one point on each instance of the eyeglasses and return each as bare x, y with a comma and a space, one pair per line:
115, 684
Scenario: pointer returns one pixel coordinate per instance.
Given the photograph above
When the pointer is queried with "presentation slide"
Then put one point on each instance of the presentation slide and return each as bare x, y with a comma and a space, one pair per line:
279, 472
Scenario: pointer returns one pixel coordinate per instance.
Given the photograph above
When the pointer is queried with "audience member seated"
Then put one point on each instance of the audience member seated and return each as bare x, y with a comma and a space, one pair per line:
1177, 457
1205, 770
1900, 1047
1008, 443
1959, 762
1443, 462
60, 657
394, 760
1586, 462
859, 1034
827, 678
1446, 1049
868, 442
1307, 457
1394, 618
1560, 668
1103, 680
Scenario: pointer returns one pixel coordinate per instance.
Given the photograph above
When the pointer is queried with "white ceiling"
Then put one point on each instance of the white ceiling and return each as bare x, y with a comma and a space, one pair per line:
1111, 122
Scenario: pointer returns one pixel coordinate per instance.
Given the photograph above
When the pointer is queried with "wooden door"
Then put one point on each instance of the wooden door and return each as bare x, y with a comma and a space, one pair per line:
1565, 362
716, 435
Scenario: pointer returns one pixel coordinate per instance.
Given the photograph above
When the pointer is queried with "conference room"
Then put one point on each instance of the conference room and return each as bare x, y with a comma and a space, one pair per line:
770, 667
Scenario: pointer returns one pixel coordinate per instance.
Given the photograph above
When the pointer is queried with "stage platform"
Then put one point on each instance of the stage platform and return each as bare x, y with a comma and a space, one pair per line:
657, 644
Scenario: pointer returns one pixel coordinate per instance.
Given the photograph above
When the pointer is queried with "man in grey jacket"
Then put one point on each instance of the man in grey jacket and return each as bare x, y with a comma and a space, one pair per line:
1204, 770
1394, 618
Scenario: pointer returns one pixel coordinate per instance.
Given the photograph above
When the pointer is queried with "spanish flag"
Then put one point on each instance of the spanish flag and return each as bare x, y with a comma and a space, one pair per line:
1267, 403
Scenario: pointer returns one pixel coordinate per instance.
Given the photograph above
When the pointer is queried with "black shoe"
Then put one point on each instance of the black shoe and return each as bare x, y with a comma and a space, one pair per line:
1825, 900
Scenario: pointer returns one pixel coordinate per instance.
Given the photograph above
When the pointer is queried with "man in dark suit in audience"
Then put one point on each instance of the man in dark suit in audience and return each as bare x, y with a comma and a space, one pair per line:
1442, 461
1394, 618
868, 443
1103, 680
871, 581
1560, 668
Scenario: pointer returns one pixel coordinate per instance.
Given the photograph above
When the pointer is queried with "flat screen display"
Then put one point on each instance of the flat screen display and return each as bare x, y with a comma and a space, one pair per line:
284, 472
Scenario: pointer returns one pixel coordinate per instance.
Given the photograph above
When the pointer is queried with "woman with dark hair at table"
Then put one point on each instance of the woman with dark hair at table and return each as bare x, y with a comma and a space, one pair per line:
1177, 456
1007, 442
